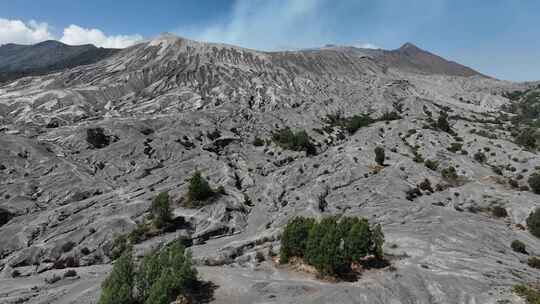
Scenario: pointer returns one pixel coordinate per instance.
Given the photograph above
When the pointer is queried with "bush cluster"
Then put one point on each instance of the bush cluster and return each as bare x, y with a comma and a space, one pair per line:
295, 141
159, 279
331, 245
518, 246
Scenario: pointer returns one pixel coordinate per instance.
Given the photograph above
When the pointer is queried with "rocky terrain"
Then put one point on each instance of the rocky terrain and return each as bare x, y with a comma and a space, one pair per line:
85, 150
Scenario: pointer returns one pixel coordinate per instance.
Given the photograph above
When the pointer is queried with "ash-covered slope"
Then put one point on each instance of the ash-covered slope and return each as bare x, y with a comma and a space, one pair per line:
18, 61
84, 151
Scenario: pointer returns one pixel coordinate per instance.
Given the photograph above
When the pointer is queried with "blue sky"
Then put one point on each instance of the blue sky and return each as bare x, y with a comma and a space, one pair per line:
497, 37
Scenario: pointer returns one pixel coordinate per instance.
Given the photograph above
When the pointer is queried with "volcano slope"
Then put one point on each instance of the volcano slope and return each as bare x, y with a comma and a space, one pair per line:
166, 108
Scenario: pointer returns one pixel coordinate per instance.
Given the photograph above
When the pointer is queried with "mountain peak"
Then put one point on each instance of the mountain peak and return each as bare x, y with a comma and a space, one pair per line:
408, 46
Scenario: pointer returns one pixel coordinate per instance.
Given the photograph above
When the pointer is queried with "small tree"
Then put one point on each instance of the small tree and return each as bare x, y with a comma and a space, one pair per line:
534, 182
533, 222
323, 248
176, 275
118, 287
199, 189
378, 241
294, 238
442, 122
161, 212
379, 155
358, 240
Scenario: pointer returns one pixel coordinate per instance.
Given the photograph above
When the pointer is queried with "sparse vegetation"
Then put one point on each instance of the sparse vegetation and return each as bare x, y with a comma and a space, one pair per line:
526, 138
531, 295
295, 141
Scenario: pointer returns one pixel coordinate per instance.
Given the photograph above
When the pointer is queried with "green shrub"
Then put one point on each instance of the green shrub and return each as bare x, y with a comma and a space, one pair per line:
295, 141
118, 286
431, 164
388, 116
378, 241
379, 155
450, 173
533, 222
534, 262
534, 182
480, 157
199, 189
356, 122
518, 246
499, 211
294, 238
454, 147
161, 212
257, 142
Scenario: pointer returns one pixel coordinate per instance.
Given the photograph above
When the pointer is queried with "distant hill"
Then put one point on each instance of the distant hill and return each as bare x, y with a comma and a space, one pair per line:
26, 60
411, 58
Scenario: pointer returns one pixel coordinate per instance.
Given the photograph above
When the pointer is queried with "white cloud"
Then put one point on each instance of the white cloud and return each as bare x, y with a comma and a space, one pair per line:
76, 35
16, 31
31, 32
